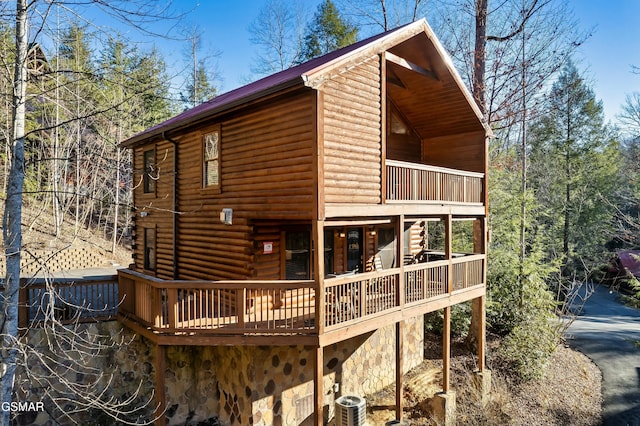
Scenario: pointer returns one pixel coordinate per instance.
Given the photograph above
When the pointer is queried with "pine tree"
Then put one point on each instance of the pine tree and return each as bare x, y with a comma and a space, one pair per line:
199, 87
328, 31
574, 168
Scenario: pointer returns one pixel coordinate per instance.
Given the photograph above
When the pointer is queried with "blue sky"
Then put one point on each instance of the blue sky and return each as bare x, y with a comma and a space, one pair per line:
615, 45
606, 57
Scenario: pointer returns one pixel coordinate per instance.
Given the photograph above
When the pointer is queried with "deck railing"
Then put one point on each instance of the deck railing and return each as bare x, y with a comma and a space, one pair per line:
225, 307
289, 307
357, 296
419, 182
67, 300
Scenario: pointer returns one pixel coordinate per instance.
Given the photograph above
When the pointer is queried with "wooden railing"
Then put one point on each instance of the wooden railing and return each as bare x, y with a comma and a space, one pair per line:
425, 280
67, 300
467, 272
225, 307
419, 182
289, 307
354, 298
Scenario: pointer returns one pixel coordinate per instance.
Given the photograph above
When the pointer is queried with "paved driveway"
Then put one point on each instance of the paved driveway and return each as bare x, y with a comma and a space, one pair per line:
609, 333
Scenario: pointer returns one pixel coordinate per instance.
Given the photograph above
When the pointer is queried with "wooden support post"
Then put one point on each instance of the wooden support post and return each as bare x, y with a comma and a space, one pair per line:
448, 250
161, 398
477, 330
172, 311
399, 368
383, 127
479, 236
318, 267
446, 349
318, 377
241, 306
23, 302
156, 305
479, 310
400, 256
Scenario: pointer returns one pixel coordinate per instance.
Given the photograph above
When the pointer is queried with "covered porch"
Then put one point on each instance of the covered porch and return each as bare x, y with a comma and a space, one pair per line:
351, 291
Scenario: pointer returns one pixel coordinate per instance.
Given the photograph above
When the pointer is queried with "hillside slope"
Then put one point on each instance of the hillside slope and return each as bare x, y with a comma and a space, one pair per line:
43, 249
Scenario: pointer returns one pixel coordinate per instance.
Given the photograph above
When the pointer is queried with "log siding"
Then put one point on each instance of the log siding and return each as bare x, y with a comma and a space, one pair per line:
352, 135
266, 170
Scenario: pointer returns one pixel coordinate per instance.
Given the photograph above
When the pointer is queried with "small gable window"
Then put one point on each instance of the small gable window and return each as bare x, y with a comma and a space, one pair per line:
150, 174
211, 164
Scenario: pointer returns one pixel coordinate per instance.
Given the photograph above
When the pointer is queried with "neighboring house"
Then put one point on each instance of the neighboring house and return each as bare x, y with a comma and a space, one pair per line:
293, 232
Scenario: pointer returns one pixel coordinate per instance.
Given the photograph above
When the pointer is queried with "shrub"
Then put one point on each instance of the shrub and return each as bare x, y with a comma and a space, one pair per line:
460, 320
528, 347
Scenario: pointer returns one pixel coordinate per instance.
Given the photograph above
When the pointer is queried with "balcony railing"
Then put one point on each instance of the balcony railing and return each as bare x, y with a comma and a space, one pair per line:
225, 307
419, 182
289, 307
359, 297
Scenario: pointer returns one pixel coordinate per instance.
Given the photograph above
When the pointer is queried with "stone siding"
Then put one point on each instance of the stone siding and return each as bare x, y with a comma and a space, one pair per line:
93, 358
236, 385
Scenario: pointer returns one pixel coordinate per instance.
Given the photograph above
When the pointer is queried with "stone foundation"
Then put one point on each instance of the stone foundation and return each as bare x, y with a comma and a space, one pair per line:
235, 385
101, 356
443, 408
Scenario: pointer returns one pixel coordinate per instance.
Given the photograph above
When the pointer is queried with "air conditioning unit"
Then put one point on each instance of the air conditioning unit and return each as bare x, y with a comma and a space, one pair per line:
351, 410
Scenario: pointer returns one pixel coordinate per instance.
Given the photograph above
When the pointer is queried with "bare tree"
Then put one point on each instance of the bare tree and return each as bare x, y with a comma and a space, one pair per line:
202, 74
384, 14
136, 14
12, 219
62, 358
278, 31
629, 117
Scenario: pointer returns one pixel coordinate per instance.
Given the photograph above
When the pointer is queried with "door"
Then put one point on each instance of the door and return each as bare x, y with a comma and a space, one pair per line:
355, 248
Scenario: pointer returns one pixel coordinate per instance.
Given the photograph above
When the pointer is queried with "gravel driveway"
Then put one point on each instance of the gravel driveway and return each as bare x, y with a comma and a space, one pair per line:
609, 333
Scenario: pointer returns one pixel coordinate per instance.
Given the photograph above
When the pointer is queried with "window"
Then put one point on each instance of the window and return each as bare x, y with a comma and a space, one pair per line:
150, 249
387, 246
298, 255
150, 173
211, 159
355, 249
329, 246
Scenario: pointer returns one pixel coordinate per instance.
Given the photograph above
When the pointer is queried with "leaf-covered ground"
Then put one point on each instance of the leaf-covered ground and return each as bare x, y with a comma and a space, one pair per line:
569, 393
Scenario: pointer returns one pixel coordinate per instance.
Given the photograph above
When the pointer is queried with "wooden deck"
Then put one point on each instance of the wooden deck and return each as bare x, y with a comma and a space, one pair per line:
255, 312
410, 182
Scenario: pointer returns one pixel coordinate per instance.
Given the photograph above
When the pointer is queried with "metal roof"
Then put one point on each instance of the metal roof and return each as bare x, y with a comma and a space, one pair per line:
300, 75
267, 85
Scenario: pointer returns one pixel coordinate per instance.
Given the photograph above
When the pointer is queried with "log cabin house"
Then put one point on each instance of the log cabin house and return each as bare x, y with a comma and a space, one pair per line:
301, 226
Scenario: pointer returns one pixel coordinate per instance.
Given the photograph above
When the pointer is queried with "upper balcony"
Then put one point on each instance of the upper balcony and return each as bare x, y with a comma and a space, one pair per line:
410, 182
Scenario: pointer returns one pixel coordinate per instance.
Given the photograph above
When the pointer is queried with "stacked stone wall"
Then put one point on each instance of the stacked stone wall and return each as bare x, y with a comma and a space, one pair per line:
229, 385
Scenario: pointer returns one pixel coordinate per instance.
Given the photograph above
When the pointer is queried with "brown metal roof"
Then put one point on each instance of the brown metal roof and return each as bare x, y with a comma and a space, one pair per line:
312, 70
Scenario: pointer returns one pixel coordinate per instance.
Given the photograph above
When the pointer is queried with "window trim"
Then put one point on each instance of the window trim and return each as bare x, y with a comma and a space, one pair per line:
149, 184
212, 187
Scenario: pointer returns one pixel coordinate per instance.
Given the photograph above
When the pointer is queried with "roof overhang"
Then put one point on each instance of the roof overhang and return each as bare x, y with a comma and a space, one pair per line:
314, 72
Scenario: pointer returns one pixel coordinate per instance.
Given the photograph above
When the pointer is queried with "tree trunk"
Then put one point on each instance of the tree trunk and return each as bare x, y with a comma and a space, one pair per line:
567, 201
12, 232
116, 203
523, 176
480, 53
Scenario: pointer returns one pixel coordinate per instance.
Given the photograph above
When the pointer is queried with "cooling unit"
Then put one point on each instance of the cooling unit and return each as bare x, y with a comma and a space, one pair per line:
351, 410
